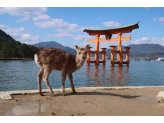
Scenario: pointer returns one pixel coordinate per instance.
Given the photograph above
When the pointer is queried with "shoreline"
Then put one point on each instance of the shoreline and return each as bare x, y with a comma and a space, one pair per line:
88, 101
8, 94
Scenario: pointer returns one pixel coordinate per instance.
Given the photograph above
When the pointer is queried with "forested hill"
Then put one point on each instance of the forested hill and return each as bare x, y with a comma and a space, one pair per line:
7, 39
9, 48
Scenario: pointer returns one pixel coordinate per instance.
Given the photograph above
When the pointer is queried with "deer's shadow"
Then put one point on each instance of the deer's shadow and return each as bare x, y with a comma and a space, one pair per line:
104, 93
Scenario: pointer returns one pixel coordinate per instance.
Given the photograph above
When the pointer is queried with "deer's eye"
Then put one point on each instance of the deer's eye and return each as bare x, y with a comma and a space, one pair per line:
85, 52
79, 52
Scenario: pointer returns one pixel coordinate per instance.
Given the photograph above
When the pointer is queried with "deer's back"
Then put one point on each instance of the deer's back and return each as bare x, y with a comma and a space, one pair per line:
51, 56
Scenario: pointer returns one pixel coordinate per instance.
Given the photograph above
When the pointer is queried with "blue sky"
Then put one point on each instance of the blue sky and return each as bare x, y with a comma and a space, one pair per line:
65, 24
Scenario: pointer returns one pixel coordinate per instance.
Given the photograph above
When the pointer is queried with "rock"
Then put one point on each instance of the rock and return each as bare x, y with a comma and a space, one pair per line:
160, 97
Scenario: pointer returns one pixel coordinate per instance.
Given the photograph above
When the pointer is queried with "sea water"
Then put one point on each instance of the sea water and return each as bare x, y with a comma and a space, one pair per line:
22, 75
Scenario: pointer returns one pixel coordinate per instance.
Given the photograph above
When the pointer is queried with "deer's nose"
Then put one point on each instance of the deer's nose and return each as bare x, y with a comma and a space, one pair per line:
83, 57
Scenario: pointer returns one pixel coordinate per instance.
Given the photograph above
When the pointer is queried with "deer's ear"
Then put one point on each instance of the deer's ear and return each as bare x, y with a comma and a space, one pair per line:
77, 47
87, 47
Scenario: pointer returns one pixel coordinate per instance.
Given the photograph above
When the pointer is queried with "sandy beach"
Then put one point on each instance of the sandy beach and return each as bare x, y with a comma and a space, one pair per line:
87, 102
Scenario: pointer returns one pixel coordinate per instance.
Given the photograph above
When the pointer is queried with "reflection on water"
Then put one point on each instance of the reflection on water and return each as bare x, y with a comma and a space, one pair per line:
119, 76
115, 76
28, 109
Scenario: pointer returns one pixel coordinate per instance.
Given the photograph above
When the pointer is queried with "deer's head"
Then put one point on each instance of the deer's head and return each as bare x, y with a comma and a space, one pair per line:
82, 52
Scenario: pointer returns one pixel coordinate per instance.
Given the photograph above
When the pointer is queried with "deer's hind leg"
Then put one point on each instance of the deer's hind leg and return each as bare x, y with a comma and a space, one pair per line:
47, 71
40, 75
63, 76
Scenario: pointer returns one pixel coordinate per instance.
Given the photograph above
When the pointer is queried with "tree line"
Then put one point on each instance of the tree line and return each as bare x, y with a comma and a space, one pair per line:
8, 51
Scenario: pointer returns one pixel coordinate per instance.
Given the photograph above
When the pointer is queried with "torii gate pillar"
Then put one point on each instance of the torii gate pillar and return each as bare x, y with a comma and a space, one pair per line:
97, 50
119, 55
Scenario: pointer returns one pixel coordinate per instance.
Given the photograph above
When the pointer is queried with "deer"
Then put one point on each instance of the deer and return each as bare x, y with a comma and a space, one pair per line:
56, 59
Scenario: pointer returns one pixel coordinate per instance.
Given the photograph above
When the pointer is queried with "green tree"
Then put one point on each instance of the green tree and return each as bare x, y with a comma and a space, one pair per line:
5, 51
24, 49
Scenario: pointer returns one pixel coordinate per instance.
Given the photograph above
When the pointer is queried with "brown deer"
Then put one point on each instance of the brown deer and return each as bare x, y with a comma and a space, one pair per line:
55, 59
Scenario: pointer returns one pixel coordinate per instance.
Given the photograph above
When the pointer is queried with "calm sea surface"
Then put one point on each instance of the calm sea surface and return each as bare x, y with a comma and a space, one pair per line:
22, 75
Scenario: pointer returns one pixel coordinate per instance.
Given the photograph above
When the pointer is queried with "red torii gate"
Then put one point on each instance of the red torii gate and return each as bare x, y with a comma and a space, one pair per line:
108, 33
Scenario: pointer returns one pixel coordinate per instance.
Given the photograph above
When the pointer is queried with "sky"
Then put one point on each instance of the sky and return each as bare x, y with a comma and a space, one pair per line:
65, 25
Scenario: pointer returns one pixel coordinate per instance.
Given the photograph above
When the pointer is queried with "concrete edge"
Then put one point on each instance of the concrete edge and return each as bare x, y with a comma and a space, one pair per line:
8, 94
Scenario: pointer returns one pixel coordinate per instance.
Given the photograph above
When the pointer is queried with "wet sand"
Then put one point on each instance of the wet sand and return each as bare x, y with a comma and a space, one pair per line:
86, 102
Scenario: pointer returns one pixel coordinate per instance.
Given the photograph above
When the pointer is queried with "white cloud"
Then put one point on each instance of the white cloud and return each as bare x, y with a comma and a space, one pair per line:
92, 27
78, 37
62, 35
13, 32
52, 23
161, 19
71, 28
28, 39
82, 45
49, 35
3, 26
154, 19
61, 30
144, 39
25, 37
74, 28
23, 19
82, 37
102, 37
147, 40
23, 11
111, 24
62, 26
41, 17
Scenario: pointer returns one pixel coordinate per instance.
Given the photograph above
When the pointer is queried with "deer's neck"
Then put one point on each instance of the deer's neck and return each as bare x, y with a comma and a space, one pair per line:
79, 63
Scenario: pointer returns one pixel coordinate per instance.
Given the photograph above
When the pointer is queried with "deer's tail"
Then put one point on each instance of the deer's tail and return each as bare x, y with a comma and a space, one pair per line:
37, 60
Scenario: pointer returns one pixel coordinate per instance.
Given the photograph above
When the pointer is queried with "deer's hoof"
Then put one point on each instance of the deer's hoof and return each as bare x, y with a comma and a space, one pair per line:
52, 95
74, 92
41, 94
64, 94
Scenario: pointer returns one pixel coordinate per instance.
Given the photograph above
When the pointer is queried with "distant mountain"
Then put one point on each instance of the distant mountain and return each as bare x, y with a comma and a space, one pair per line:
54, 44
153, 51
147, 50
5, 38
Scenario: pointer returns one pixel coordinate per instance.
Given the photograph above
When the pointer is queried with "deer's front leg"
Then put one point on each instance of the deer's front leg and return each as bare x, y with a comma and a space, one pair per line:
71, 81
63, 76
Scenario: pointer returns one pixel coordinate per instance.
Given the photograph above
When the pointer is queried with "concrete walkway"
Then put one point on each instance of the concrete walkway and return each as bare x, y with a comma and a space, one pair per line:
8, 94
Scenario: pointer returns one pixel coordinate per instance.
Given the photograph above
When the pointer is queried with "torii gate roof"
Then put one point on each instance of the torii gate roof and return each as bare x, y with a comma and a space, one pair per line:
122, 29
